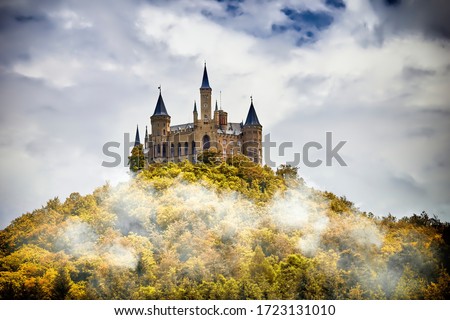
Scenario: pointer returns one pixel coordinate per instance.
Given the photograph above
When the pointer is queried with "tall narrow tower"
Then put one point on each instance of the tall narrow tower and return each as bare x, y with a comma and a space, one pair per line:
205, 98
195, 113
252, 136
160, 119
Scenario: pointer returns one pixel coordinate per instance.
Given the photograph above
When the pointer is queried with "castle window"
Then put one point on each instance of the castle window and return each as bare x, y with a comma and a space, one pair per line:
179, 149
186, 148
206, 143
158, 151
164, 131
193, 147
164, 151
172, 150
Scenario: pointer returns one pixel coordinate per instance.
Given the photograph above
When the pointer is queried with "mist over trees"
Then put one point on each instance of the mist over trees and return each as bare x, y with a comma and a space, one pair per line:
220, 231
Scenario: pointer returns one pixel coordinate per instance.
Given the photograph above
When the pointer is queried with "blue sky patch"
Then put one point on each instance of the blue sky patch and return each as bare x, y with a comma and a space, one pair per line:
319, 19
392, 2
232, 7
338, 4
279, 28
21, 18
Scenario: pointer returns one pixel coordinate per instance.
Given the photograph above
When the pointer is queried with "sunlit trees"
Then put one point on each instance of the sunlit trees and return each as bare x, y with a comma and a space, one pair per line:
136, 160
210, 231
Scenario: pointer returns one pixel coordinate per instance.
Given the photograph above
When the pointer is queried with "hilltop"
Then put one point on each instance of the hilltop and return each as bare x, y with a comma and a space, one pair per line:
220, 231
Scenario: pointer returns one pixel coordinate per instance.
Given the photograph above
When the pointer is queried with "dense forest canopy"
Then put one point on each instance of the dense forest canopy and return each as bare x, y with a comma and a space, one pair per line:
220, 231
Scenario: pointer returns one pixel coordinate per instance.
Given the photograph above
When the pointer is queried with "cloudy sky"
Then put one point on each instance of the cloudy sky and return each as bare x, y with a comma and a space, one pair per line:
77, 74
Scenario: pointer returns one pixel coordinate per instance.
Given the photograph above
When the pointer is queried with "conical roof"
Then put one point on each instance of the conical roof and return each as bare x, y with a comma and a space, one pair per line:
252, 118
137, 140
205, 81
160, 109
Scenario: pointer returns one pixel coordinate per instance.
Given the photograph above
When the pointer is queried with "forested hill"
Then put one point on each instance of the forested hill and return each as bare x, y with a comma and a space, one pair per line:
225, 231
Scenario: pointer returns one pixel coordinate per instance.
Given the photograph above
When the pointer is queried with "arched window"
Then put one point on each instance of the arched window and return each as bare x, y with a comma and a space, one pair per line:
158, 150
164, 151
172, 150
186, 148
206, 142
179, 149
193, 147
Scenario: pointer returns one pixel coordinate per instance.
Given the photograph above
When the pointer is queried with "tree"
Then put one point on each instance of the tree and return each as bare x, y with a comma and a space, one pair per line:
210, 156
62, 285
287, 171
137, 161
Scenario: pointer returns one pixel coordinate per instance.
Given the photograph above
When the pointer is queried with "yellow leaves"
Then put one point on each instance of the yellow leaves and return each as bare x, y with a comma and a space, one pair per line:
146, 293
167, 215
77, 291
189, 176
392, 244
356, 293
197, 231
162, 183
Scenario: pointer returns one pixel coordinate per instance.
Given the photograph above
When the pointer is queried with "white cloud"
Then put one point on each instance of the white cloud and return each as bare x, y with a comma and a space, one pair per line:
81, 74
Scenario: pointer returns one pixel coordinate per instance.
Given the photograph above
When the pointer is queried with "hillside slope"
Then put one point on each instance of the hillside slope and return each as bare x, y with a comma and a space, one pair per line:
204, 231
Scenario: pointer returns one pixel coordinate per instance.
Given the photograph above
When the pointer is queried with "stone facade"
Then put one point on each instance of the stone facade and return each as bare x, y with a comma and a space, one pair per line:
208, 131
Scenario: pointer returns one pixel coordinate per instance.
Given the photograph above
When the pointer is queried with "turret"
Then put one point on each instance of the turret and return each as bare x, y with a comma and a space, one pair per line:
137, 139
252, 136
195, 113
223, 118
216, 115
160, 119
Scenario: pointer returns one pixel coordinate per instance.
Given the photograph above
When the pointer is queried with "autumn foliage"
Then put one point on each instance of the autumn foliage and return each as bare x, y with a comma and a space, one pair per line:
220, 231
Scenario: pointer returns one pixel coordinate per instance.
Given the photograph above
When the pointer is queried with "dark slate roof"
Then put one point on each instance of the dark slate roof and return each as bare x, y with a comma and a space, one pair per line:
233, 128
182, 127
137, 140
252, 118
205, 81
160, 109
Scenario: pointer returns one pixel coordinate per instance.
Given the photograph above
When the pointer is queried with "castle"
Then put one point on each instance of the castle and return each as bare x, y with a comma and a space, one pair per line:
208, 131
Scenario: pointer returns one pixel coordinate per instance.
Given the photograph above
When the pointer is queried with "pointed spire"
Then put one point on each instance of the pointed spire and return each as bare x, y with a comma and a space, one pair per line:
195, 106
205, 81
137, 140
252, 118
217, 108
146, 132
160, 109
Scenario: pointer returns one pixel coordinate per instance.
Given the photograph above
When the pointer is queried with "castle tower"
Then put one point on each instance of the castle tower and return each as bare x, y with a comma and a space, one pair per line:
160, 121
252, 136
216, 115
205, 98
209, 129
195, 114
